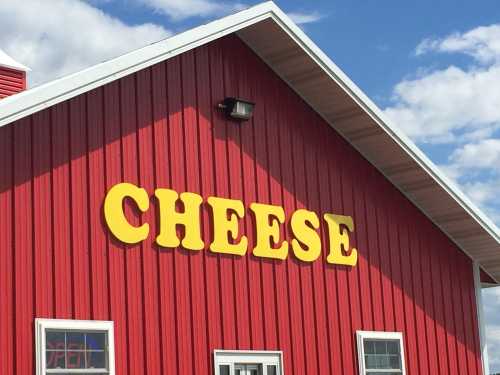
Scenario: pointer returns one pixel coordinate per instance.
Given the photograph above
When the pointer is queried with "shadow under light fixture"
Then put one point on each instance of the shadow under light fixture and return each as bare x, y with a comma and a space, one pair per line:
237, 109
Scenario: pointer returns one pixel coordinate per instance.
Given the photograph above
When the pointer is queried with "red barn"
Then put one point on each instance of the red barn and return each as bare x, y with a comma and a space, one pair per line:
227, 201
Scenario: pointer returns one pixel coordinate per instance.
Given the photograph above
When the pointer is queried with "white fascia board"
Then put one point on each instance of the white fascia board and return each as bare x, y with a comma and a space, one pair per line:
28, 102
480, 318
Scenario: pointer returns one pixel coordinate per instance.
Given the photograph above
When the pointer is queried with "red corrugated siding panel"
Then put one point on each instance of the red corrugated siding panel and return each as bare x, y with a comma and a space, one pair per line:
166, 288
255, 173
348, 180
11, 81
97, 178
330, 280
7, 251
61, 211
42, 215
346, 334
384, 231
173, 307
194, 120
79, 209
133, 266
247, 167
23, 249
207, 188
321, 314
116, 253
266, 182
428, 293
149, 255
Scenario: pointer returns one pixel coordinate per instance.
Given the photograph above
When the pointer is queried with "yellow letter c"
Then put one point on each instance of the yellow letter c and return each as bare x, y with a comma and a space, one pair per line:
115, 217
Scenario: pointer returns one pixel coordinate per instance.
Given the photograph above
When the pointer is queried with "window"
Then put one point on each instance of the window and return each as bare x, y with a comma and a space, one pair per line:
381, 353
248, 363
67, 347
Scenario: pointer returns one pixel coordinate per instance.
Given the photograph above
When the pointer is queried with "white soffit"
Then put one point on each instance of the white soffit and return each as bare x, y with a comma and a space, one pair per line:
308, 71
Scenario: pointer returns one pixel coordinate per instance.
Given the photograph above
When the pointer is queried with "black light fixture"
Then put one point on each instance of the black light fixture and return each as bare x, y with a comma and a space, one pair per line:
237, 109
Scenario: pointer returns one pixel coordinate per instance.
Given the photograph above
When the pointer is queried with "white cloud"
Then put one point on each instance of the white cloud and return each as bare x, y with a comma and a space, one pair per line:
480, 155
69, 36
302, 18
453, 104
448, 105
482, 43
181, 9
482, 192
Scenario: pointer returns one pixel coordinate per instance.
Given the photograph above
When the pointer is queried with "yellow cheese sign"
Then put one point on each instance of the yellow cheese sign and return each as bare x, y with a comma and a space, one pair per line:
225, 215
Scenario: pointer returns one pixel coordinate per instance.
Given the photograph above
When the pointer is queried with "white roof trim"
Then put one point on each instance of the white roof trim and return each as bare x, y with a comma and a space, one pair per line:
38, 98
9, 62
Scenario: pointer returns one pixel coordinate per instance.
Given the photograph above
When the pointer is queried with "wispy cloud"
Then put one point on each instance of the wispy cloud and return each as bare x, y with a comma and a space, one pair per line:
180, 10
302, 18
72, 36
453, 104
482, 43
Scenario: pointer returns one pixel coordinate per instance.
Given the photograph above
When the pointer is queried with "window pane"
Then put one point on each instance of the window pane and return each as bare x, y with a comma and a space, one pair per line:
55, 359
382, 354
96, 360
272, 370
393, 347
370, 361
75, 341
380, 347
72, 349
75, 359
369, 347
55, 340
224, 369
394, 362
96, 341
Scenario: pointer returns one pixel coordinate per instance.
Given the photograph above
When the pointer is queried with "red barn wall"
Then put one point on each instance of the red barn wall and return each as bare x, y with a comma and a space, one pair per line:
172, 308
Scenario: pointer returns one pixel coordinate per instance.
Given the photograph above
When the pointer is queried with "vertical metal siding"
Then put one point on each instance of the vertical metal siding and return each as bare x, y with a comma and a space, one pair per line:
172, 308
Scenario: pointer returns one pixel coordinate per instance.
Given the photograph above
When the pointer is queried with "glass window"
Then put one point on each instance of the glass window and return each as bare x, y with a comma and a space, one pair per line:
74, 347
380, 353
248, 363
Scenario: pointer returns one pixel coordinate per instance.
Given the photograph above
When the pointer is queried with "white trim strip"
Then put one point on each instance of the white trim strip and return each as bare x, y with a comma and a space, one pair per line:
378, 335
41, 325
480, 319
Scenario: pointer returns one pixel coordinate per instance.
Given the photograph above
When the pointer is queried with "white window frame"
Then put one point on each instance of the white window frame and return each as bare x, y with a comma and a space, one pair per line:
374, 335
232, 357
41, 326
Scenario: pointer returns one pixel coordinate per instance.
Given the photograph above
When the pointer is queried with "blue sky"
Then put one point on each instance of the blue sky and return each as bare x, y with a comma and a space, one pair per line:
433, 66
